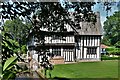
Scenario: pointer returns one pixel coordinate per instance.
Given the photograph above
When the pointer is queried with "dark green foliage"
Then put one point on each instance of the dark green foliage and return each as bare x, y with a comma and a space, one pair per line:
106, 57
112, 29
24, 49
117, 44
113, 51
18, 9
8, 46
18, 30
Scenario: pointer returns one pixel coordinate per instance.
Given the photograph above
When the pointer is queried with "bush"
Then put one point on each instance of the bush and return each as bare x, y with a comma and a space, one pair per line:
113, 51
24, 49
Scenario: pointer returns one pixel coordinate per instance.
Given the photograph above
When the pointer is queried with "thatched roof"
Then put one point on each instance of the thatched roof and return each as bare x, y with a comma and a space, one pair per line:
90, 28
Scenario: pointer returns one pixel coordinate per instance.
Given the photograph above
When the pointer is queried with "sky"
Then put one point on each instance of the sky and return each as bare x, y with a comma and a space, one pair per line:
103, 13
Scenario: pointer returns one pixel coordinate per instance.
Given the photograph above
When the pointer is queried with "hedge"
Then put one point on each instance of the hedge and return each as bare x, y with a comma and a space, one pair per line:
113, 50
109, 58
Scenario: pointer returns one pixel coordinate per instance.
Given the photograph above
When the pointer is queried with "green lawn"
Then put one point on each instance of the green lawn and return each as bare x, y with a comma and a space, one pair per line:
103, 69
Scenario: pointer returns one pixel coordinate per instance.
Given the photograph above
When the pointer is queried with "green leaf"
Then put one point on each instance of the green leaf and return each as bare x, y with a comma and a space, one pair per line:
9, 75
12, 75
11, 65
9, 62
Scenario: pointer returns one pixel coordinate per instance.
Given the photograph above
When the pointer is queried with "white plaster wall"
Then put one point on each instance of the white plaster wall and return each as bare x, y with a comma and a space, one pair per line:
78, 54
61, 51
98, 53
85, 49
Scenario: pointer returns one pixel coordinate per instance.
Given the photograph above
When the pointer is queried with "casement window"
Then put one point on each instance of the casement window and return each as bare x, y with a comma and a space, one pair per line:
92, 50
56, 51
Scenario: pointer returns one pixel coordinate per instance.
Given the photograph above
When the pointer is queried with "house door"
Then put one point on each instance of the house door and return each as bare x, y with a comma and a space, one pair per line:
68, 54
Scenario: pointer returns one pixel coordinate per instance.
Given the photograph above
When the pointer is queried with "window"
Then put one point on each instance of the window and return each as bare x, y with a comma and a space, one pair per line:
92, 50
56, 51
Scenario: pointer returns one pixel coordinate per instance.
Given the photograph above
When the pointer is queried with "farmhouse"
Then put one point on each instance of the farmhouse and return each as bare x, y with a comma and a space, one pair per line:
82, 46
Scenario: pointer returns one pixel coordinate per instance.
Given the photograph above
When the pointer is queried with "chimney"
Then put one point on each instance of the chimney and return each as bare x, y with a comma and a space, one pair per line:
98, 24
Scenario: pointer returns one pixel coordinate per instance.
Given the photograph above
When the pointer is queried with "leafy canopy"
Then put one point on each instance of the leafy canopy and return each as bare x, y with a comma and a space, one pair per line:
17, 29
112, 29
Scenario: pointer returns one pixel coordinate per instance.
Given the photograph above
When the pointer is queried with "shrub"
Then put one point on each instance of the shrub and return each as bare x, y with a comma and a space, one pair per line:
113, 51
105, 57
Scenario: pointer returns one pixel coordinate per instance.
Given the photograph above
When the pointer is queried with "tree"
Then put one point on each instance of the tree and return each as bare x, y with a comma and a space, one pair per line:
17, 29
112, 29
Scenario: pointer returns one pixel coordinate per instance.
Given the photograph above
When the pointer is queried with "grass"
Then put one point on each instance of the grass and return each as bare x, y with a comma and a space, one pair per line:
103, 69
